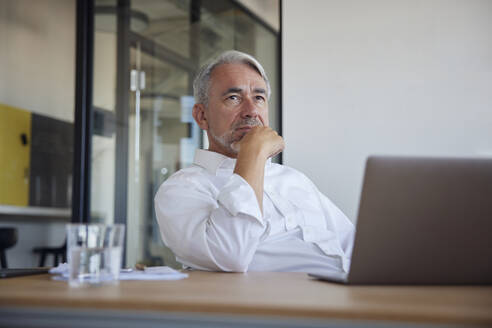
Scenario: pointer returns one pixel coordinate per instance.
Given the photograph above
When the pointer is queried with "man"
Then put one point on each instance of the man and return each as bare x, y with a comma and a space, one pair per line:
235, 210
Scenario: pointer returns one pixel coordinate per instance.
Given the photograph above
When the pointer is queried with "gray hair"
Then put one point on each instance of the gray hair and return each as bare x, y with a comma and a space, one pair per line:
201, 83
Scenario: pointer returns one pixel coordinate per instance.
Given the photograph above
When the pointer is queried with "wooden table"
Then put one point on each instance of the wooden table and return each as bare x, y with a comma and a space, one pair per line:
286, 297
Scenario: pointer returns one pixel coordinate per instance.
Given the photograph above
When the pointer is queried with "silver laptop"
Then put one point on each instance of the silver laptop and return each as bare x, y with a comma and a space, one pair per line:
423, 221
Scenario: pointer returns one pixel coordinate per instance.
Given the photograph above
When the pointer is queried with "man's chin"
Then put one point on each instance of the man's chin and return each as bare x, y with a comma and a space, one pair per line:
235, 145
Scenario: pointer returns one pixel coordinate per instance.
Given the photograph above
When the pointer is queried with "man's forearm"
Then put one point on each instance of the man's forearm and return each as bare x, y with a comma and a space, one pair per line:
251, 167
255, 148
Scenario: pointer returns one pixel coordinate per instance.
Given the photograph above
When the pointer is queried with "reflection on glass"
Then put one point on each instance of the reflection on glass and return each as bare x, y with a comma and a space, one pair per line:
104, 102
161, 135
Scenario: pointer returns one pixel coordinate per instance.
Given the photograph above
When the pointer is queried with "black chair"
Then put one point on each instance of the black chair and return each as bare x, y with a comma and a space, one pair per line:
8, 238
59, 253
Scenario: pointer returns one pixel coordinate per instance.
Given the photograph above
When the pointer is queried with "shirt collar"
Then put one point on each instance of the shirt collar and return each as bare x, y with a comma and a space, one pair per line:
212, 161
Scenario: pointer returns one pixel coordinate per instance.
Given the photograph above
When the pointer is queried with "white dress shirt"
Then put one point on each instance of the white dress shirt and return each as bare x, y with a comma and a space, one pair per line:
210, 218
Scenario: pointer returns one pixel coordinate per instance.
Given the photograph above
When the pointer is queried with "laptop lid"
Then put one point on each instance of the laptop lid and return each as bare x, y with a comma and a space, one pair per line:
424, 221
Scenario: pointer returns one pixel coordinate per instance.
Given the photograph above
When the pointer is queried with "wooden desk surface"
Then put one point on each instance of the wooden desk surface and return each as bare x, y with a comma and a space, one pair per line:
267, 294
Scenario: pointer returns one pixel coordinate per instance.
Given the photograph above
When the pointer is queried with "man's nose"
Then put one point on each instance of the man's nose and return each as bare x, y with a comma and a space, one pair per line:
249, 109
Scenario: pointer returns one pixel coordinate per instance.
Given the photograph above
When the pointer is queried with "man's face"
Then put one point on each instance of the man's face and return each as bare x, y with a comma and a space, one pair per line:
237, 102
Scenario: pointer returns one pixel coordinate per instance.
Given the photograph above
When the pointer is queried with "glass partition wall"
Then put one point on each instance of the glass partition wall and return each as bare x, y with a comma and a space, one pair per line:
146, 53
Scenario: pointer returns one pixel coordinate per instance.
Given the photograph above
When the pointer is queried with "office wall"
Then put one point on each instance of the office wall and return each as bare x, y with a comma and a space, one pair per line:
37, 74
402, 77
37, 56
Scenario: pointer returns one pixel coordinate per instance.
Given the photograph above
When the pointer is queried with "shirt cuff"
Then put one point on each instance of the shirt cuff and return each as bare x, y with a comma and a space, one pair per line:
237, 196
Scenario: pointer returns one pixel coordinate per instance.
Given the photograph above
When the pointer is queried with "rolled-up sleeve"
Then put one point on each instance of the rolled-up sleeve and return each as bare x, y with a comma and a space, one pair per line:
210, 229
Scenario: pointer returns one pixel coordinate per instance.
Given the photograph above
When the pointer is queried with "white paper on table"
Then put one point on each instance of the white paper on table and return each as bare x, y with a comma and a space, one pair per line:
150, 273
136, 275
153, 273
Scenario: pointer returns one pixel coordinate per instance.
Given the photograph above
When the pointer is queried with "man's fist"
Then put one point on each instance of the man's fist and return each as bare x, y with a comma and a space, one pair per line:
260, 140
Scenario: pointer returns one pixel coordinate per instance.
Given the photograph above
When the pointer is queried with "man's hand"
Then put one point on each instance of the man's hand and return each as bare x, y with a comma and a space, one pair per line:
259, 144
262, 142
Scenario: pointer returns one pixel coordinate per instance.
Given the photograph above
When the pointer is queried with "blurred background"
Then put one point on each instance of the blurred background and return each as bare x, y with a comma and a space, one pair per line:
145, 54
96, 98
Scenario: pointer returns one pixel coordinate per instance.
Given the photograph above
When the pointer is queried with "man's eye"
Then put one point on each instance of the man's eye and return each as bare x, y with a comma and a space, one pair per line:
260, 98
233, 98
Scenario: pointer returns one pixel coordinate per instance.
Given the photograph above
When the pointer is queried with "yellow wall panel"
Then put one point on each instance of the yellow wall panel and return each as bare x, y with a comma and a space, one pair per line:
14, 155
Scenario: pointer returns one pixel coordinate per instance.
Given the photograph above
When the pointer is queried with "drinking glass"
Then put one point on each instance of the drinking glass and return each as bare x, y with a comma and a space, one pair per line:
94, 253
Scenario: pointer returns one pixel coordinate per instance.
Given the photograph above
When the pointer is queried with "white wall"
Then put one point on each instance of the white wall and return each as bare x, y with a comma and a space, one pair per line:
400, 77
37, 56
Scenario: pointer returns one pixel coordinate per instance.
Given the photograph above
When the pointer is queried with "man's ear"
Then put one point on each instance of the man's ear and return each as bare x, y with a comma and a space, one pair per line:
200, 117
